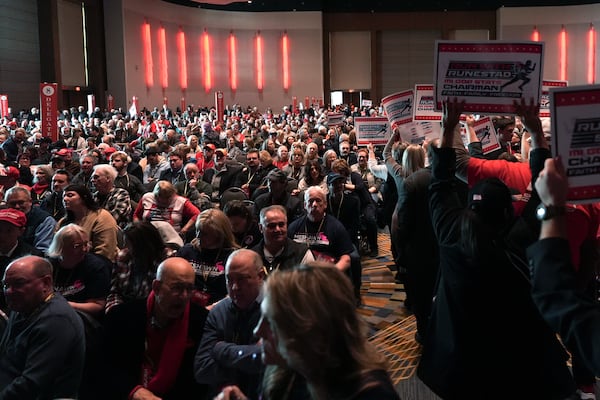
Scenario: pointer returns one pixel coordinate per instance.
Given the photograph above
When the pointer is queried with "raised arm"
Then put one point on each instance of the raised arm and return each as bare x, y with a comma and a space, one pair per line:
572, 315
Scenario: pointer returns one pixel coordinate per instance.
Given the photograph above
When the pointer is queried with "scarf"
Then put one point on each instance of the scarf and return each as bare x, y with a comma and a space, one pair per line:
39, 188
172, 352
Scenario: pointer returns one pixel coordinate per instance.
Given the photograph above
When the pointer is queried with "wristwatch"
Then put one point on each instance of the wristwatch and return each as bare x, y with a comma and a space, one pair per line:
544, 213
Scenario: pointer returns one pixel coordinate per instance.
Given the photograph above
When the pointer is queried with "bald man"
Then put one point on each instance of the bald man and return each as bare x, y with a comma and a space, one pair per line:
42, 349
150, 343
229, 353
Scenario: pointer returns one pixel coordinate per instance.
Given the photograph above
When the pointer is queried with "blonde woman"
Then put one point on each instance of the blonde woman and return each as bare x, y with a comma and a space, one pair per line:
207, 253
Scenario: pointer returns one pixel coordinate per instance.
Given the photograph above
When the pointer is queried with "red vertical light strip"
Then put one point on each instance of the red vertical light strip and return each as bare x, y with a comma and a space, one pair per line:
285, 61
183, 79
162, 48
591, 55
147, 41
206, 61
232, 62
535, 35
259, 62
562, 48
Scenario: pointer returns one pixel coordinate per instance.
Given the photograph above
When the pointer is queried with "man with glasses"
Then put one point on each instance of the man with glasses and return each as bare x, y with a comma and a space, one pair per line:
275, 248
42, 349
39, 229
151, 342
229, 353
174, 173
12, 227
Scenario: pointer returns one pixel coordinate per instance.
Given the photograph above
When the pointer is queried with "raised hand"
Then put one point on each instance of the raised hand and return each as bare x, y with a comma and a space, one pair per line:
551, 184
529, 114
452, 110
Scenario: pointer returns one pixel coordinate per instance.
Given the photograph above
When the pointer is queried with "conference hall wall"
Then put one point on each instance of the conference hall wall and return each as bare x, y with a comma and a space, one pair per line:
151, 67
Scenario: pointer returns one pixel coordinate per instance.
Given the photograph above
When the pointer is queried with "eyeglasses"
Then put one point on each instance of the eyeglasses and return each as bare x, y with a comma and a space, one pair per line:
251, 158
179, 288
96, 177
16, 203
19, 284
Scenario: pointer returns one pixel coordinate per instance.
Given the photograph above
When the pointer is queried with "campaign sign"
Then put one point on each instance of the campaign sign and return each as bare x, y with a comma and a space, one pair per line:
489, 76
576, 138
335, 119
484, 129
416, 132
399, 107
545, 99
424, 109
367, 103
375, 130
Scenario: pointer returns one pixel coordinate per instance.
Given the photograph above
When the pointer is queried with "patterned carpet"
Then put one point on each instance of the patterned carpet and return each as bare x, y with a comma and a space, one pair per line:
392, 327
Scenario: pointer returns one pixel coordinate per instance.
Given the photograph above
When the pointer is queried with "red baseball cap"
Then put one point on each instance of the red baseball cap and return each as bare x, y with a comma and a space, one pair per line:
13, 172
15, 217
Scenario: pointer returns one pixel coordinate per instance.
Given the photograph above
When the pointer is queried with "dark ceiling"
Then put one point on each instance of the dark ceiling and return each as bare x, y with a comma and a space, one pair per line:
333, 6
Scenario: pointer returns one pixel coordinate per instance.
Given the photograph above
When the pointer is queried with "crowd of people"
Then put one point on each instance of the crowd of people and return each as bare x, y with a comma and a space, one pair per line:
197, 255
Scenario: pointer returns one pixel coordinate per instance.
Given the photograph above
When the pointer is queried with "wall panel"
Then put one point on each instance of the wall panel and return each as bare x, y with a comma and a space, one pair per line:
406, 58
19, 53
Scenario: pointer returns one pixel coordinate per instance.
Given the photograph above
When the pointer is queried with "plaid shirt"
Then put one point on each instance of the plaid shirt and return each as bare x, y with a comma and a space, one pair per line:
117, 203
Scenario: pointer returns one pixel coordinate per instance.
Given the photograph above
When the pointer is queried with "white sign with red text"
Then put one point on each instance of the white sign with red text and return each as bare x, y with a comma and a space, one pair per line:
375, 130
398, 107
576, 138
545, 98
424, 109
489, 76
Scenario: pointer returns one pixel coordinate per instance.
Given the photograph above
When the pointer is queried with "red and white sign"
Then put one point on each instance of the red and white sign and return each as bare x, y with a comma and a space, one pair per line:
576, 138
219, 105
424, 109
545, 98
484, 129
335, 119
489, 76
110, 102
182, 105
294, 105
399, 107
416, 132
374, 130
3, 105
49, 110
